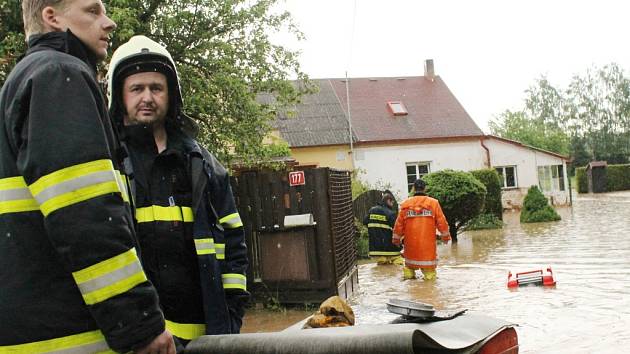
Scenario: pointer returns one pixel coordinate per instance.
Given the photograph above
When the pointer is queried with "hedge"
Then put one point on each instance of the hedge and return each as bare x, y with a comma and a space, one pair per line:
582, 181
617, 177
490, 178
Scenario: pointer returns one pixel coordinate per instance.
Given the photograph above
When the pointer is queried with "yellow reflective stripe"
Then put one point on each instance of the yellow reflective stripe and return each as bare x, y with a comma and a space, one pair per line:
204, 246
383, 253
231, 221
15, 197
382, 226
121, 179
420, 263
378, 217
110, 277
74, 184
220, 249
88, 342
187, 331
160, 213
234, 281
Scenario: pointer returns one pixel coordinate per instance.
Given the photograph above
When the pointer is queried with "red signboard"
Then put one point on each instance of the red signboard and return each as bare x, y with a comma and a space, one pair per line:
296, 178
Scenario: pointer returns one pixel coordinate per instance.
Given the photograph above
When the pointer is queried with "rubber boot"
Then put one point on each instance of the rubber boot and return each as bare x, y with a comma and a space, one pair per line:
398, 260
429, 273
408, 273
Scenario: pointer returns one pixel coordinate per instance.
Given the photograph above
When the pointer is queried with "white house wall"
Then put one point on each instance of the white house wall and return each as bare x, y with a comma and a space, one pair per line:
526, 161
385, 166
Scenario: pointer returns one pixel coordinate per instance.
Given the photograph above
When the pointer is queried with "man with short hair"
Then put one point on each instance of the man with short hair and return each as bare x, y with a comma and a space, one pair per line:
380, 221
418, 218
69, 268
193, 244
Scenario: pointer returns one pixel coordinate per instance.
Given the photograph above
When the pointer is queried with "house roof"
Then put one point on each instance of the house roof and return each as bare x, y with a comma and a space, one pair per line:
433, 112
318, 120
517, 143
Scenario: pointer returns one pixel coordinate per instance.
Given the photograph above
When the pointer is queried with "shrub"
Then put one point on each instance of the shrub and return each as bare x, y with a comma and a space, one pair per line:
536, 208
485, 222
617, 177
490, 179
460, 194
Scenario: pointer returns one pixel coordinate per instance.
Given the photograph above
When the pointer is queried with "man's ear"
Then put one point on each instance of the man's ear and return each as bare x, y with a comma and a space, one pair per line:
50, 19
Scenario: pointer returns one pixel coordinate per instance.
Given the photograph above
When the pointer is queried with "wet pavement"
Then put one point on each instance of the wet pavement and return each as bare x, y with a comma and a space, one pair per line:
588, 311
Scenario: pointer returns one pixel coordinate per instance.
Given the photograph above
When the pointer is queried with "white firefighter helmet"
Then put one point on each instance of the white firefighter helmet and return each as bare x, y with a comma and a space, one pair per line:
142, 54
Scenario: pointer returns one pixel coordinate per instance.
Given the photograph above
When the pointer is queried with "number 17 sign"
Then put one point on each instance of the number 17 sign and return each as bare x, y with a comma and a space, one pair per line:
296, 178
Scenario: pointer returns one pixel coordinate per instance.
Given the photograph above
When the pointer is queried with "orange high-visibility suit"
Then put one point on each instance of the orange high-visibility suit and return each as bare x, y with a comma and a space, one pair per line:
418, 218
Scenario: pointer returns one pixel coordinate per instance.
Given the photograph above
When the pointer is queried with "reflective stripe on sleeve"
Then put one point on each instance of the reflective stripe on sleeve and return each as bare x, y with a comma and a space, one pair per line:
234, 281
380, 226
204, 246
88, 342
75, 184
220, 249
110, 277
122, 184
186, 331
231, 221
15, 197
160, 213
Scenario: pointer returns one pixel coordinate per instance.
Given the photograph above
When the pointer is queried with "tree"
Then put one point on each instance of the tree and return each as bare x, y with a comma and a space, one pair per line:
225, 59
522, 128
536, 208
460, 194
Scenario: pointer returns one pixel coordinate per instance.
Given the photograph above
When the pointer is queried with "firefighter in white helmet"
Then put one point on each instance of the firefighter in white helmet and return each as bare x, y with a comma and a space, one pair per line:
190, 233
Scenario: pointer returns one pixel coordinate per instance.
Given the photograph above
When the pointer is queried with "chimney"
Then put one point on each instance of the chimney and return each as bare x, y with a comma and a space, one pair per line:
429, 72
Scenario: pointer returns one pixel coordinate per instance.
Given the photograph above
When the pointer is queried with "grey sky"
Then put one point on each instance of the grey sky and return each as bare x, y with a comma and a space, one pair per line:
487, 51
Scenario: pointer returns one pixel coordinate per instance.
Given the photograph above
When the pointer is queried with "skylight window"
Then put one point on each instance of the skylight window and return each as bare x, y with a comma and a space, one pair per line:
397, 108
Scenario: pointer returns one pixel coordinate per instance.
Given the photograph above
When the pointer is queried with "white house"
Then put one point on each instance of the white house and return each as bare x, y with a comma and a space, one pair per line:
405, 127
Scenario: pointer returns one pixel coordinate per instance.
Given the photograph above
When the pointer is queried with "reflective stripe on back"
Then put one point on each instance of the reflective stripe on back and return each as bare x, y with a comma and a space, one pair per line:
160, 213
88, 342
380, 226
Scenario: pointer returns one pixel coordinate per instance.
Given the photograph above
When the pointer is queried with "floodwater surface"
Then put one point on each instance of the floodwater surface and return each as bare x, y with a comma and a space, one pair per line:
588, 311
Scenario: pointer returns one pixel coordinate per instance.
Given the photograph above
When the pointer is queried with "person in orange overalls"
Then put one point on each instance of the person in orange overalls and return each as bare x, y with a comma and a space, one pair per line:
418, 218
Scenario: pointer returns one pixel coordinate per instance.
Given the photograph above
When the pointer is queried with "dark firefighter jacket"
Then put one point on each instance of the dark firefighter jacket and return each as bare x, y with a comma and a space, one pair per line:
192, 238
70, 277
380, 221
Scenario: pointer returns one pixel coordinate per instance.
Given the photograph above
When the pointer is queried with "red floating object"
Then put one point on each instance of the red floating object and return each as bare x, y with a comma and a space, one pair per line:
533, 277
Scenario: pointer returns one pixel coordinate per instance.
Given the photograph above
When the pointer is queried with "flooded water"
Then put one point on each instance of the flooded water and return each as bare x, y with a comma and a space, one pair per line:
588, 311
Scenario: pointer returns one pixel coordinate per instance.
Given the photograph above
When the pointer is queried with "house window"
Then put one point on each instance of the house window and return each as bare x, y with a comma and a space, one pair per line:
397, 108
551, 178
507, 175
415, 170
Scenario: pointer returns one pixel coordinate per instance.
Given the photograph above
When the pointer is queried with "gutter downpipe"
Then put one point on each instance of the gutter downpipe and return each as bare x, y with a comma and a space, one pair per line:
349, 120
487, 151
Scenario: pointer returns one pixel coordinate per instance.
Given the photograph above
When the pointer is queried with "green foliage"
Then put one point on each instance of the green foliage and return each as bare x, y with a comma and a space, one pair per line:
582, 181
225, 59
491, 180
617, 177
522, 128
536, 207
484, 222
460, 194
589, 119
362, 239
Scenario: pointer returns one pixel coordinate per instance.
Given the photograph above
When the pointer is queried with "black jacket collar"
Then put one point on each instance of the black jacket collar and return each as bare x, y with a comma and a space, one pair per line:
65, 42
